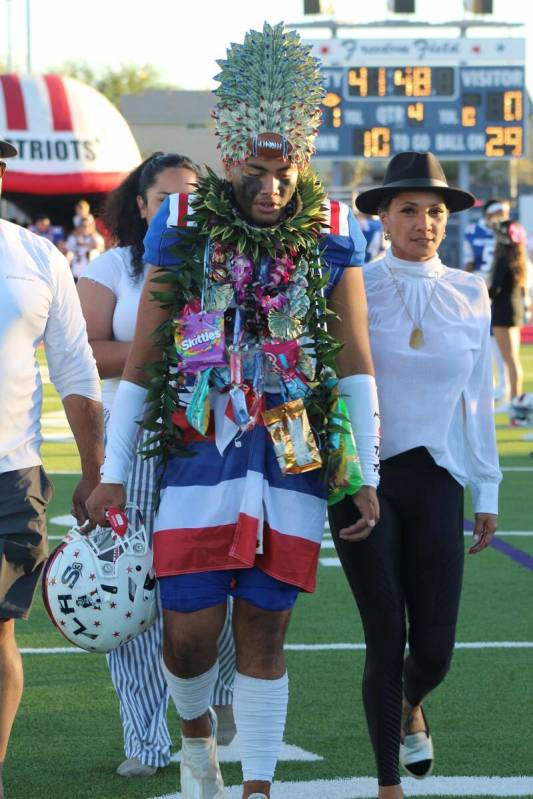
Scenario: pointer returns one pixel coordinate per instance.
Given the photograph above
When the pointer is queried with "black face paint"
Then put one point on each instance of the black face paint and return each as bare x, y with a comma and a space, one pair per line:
247, 187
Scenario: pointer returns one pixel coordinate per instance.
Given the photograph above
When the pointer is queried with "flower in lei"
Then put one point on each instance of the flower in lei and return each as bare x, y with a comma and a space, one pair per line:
286, 263
242, 272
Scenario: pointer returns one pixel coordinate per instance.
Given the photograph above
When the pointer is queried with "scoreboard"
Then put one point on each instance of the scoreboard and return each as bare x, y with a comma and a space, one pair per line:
458, 110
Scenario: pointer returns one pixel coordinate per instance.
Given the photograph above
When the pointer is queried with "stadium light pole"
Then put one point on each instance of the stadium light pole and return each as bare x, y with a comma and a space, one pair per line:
9, 34
28, 36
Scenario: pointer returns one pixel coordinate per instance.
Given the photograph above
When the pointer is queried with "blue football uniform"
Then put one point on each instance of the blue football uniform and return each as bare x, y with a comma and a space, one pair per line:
373, 232
342, 243
479, 246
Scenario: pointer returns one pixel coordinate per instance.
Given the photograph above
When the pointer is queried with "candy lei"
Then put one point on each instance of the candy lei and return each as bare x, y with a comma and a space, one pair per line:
274, 277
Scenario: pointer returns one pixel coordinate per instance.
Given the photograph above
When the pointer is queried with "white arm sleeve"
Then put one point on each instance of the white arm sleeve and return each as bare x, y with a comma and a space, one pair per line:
361, 397
122, 431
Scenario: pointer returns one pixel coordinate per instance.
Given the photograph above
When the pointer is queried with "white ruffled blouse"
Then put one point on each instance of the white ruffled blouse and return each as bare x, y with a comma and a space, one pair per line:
438, 396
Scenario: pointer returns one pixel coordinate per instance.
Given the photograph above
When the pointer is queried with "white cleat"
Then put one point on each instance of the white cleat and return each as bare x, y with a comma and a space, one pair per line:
200, 772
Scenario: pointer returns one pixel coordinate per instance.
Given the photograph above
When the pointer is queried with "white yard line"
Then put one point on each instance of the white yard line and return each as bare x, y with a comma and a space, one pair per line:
365, 788
230, 754
327, 543
53, 650
74, 471
329, 647
458, 645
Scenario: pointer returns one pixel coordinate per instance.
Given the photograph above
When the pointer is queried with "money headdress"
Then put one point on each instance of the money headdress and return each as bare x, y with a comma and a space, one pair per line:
268, 101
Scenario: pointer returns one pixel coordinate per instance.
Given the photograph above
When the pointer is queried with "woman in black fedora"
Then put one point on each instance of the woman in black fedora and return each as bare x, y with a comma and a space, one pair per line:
429, 333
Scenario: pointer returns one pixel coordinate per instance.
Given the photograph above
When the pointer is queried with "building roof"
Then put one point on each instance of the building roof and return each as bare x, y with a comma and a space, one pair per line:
168, 106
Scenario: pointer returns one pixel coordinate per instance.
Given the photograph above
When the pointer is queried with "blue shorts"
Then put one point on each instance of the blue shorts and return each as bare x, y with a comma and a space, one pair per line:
186, 593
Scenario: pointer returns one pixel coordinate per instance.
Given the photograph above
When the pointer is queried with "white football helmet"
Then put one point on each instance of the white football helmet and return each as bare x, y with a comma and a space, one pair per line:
99, 588
521, 410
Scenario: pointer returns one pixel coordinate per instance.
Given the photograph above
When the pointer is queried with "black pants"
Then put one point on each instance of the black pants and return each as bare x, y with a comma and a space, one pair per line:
412, 561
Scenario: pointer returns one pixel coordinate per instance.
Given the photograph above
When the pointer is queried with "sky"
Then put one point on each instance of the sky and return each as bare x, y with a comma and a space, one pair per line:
182, 39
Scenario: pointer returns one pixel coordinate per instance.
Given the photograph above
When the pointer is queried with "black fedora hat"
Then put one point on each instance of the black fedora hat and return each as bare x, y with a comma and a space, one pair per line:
411, 170
7, 150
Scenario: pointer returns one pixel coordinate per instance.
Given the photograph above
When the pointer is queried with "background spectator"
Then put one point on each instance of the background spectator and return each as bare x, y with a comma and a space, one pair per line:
42, 226
508, 290
84, 244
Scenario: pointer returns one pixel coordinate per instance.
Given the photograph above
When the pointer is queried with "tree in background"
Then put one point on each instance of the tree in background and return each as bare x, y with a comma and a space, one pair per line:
114, 82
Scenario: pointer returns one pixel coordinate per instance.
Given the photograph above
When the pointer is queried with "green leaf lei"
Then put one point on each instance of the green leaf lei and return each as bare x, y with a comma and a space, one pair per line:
215, 217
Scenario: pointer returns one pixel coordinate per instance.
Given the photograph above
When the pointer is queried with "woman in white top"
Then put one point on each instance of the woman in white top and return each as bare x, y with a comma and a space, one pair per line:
429, 334
110, 289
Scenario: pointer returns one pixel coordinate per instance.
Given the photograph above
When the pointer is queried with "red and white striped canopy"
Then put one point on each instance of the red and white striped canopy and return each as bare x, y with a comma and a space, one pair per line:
70, 138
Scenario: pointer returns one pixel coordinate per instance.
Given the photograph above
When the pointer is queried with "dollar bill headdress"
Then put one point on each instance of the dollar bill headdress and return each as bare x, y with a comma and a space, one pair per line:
268, 101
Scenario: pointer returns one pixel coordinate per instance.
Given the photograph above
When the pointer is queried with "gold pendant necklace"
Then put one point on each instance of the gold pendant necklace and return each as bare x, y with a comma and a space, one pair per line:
416, 339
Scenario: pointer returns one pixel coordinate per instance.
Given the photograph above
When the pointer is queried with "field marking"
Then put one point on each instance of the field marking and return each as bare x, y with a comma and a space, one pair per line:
67, 520
365, 788
55, 427
340, 647
67, 471
498, 543
458, 645
330, 563
53, 650
517, 555
327, 543
231, 754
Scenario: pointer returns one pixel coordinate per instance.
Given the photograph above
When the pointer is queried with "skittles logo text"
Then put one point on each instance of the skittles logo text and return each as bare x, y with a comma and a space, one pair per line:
205, 337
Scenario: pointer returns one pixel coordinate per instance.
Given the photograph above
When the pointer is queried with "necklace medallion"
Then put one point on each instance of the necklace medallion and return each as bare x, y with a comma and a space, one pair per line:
416, 339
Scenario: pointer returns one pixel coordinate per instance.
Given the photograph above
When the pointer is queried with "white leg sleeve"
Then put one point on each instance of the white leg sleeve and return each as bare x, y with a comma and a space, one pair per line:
260, 709
192, 696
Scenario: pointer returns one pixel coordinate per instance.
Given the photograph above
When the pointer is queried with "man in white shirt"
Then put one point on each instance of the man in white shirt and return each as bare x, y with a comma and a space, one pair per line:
38, 304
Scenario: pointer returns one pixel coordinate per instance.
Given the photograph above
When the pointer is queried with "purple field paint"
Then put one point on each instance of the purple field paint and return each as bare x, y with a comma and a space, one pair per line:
512, 552
502, 546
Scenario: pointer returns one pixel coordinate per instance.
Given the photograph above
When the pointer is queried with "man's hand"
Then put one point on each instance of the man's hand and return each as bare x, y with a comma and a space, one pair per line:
85, 487
484, 529
366, 502
104, 496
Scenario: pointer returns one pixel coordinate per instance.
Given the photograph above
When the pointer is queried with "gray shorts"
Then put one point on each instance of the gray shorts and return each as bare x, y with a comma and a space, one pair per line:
24, 495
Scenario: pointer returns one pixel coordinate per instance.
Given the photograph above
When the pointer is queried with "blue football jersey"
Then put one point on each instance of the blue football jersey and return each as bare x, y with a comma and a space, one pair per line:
479, 246
342, 243
373, 233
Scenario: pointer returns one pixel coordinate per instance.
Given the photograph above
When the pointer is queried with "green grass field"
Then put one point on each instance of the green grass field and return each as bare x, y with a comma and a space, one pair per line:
67, 739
